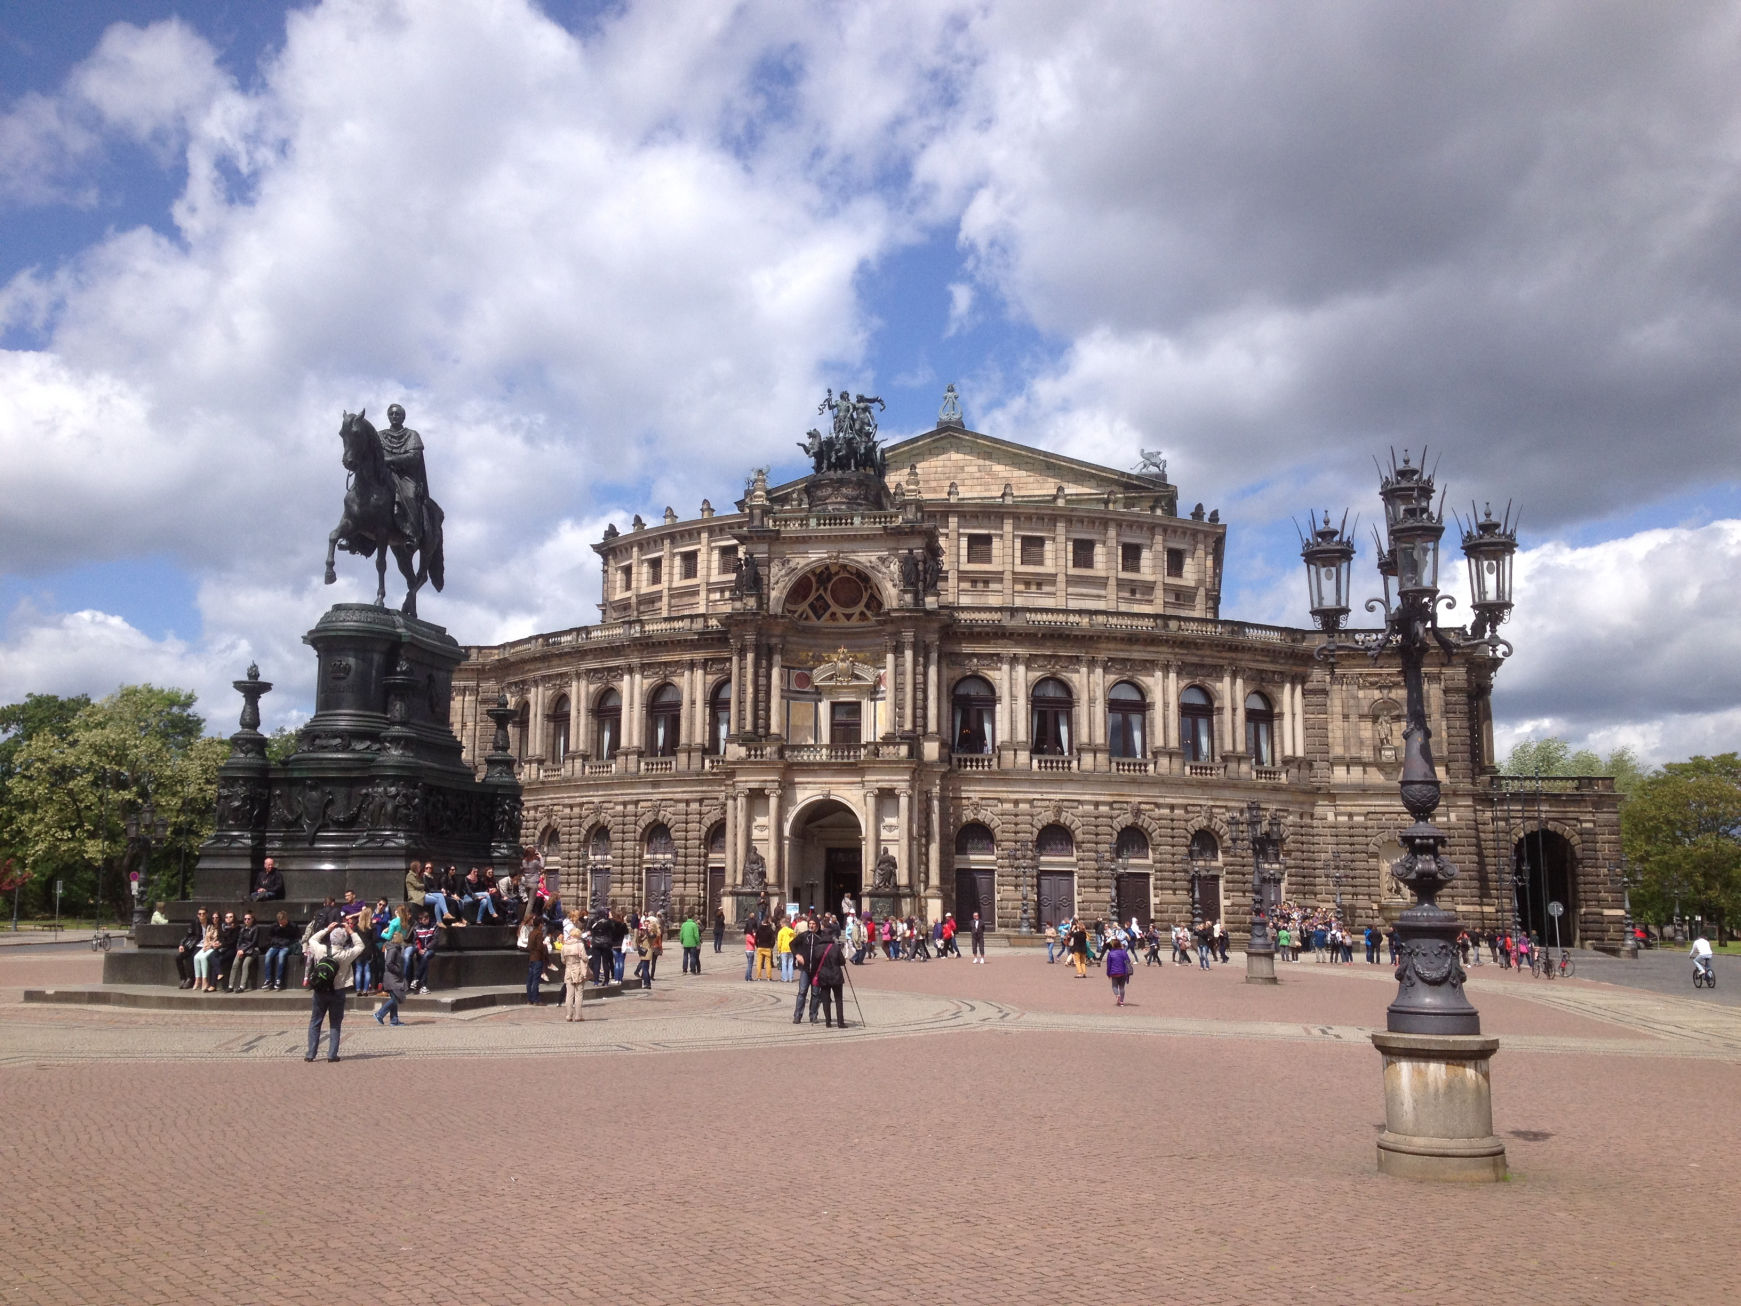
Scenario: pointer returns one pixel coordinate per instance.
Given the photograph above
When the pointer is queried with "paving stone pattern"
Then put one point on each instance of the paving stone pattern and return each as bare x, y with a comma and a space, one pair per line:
991, 1134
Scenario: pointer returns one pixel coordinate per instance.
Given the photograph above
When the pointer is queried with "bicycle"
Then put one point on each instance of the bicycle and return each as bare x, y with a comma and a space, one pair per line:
1567, 966
1704, 977
1535, 963
100, 941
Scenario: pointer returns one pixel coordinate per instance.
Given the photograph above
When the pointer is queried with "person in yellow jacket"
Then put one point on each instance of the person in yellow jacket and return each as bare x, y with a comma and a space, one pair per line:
783, 950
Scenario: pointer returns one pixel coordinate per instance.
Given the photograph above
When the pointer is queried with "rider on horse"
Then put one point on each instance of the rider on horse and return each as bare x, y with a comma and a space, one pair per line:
402, 447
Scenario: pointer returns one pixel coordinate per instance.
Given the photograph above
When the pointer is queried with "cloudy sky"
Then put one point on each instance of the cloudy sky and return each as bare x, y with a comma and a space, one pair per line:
610, 254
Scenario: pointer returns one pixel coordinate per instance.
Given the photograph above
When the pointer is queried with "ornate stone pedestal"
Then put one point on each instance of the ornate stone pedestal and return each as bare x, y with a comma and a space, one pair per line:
377, 778
1438, 1108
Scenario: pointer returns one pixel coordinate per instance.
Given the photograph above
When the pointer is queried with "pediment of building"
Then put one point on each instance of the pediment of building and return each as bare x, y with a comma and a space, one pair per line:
979, 466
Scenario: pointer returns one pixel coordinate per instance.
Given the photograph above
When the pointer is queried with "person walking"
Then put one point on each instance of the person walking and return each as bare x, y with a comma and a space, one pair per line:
650, 943
830, 977
689, 937
978, 932
1078, 944
332, 953
804, 949
783, 950
1205, 940
395, 979
1118, 967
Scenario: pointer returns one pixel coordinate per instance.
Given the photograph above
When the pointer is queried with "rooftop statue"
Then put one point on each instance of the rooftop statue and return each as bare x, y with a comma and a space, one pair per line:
1152, 463
950, 413
387, 506
851, 445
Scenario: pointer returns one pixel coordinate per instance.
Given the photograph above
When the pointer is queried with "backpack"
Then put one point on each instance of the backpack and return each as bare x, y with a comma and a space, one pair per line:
324, 973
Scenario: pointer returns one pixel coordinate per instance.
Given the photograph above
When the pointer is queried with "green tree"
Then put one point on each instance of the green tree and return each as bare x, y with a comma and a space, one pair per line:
1681, 829
71, 792
1553, 756
281, 743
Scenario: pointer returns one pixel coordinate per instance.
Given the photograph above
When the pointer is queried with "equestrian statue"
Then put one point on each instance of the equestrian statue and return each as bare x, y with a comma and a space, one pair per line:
387, 506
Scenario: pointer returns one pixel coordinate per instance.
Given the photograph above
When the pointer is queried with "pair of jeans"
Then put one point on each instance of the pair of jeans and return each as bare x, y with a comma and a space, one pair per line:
202, 964
239, 969
277, 963
692, 960
389, 1009
785, 968
622, 958
365, 972
749, 965
601, 965
1050, 946
648, 969
1203, 955
417, 968
437, 902
331, 1008
764, 963
803, 992
485, 904
534, 976
184, 965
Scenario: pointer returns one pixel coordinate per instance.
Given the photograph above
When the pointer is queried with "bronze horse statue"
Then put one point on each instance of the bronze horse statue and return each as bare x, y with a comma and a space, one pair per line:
386, 511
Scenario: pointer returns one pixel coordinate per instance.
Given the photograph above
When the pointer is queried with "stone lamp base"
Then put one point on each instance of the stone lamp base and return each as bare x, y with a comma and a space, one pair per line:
1260, 968
1438, 1108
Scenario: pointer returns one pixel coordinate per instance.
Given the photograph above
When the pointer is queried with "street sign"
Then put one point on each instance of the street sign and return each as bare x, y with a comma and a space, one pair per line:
1556, 910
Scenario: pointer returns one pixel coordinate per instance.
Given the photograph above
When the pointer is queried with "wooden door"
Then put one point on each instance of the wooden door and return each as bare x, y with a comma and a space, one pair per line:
975, 891
1133, 897
715, 892
600, 897
1057, 893
658, 895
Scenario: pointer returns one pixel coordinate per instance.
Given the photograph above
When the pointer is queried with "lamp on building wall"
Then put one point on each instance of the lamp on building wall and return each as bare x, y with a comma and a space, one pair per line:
1431, 1027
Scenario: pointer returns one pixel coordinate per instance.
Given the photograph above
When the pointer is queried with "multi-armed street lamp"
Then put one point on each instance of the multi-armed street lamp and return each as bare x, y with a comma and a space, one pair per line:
144, 828
1438, 1090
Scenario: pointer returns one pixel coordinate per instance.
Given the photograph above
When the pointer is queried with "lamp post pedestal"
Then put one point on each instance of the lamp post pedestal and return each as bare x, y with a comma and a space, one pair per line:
1438, 1108
1260, 967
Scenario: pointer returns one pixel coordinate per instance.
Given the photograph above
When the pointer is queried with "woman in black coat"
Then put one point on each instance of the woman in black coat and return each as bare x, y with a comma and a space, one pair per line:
830, 976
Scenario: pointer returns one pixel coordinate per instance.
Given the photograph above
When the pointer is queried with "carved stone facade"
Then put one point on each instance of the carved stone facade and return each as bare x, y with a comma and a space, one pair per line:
1059, 666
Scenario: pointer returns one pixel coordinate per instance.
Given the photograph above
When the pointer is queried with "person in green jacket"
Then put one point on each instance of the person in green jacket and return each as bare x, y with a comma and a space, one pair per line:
689, 935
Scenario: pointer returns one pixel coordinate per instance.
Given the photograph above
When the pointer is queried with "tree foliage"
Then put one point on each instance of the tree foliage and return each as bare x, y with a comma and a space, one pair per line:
1681, 829
73, 771
1553, 756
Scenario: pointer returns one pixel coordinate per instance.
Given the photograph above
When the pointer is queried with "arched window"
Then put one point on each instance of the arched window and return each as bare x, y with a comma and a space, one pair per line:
1055, 841
718, 717
1133, 843
1054, 707
1197, 725
550, 846
716, 843
975, 840
658, 843
834, 595
558, 719
607, 725
1205, 847
599, 846
1260, 730
664, 721
1125, 706
975, 714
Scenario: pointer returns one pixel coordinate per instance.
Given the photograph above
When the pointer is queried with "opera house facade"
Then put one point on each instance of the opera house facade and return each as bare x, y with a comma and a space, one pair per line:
957, 673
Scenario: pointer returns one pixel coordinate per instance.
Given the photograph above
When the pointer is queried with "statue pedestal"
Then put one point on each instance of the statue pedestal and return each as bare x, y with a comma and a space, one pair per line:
1438, 1108
742, 903
883, 904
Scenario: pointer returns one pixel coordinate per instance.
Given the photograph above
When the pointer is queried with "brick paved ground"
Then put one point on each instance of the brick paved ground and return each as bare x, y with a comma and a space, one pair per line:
991, 1138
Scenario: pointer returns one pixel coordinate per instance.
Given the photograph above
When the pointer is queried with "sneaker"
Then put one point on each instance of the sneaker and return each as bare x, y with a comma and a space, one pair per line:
395, 1021
423, 989
381, 1016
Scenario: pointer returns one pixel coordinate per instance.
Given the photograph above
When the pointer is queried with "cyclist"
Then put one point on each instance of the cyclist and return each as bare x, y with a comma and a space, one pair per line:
1701, 955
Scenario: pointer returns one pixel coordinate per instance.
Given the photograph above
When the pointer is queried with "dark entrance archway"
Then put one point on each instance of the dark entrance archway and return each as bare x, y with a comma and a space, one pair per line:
826, 856
1548, 869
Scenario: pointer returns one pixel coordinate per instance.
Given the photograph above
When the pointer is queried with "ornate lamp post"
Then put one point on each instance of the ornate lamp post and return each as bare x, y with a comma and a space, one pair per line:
1022, 862
1629, 944
1438, 1094
1265, 835
144, 828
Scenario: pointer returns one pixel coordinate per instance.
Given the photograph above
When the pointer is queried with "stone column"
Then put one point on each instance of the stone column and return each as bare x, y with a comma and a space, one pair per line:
904, 871
1020, 718
909, 699
934, 854
776, 693
1224, 717
891, 703
739, 835
934, 718
737, 688
776, 844
1005, 693
1236, 713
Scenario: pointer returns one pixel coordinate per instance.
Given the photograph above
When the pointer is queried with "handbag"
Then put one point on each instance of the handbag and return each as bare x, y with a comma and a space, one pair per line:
524, 937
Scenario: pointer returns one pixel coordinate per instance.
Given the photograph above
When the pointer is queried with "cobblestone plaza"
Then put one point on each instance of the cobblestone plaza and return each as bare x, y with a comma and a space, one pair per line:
995, 1133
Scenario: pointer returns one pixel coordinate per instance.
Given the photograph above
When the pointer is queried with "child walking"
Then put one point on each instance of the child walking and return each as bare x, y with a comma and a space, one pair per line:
394, 981
1118, 967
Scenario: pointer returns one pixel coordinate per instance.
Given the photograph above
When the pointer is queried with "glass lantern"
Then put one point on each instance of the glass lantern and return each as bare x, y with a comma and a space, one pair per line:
1328, 556
1489, 547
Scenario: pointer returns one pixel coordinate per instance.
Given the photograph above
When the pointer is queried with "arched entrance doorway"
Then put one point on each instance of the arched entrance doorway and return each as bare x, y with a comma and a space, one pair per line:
1545, 871
826, 856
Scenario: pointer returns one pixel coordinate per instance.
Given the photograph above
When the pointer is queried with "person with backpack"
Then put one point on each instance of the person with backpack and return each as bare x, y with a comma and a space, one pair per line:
828, 980
332, 953
1118, 966
537, 953
394, 980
